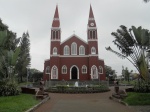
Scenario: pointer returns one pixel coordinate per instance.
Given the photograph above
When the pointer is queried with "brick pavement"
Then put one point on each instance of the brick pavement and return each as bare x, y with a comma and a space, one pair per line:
97, 102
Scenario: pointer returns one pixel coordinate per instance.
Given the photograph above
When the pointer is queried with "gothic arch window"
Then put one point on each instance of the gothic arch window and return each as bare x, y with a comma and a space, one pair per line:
54, 72
73, 48
100, 69
54, 50
94, 72
64, 69
93, 50
66, 50
84, 69
81, 50
47, 70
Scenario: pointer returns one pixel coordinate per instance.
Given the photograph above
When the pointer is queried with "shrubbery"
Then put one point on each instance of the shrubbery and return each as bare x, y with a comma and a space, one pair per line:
8, 89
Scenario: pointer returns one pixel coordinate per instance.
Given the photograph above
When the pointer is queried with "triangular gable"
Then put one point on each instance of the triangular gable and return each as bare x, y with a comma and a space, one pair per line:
74, 36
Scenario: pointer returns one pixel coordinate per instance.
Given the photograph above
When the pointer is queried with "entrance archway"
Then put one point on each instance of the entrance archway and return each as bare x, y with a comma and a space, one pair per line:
74, 72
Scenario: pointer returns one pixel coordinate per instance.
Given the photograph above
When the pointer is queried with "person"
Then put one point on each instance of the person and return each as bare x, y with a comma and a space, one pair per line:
116, 87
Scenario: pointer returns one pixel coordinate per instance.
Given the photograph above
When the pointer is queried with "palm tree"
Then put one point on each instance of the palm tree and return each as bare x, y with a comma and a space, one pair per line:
133, 44
146, 1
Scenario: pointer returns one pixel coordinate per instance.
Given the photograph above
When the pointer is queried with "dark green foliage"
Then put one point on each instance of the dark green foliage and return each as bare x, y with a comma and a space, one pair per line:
137, 98
8, 89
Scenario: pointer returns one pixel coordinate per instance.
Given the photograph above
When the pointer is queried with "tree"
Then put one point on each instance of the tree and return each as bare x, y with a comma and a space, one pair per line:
110, 73
24, 56
133, 45
146, 1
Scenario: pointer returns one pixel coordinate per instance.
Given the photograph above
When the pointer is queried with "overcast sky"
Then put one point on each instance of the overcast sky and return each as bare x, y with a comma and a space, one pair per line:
36, 16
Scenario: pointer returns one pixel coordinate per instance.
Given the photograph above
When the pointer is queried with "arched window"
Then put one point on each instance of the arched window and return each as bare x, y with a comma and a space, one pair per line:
84, 69
91, 34
64, 70
93, 50
47, 70
54, 34
66, 50
54, 50
81, 50
54, 73
94, 35
94, 72
73, 48
100, 69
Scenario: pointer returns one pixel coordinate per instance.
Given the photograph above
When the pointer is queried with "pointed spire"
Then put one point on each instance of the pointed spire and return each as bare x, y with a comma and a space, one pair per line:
91, 21
91, 15
56, 22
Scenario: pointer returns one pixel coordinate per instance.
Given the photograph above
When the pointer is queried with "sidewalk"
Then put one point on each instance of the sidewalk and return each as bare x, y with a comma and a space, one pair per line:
97, 102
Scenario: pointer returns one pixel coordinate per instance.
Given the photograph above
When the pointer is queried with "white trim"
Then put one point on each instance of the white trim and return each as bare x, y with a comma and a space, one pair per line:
63, 68
91, 28
55, 18
77, 71
91, 18
56, 72
96, 77
46, 59
76, 37
100, 68
55, 28
53, 40
67, 56
74, 48
92, 39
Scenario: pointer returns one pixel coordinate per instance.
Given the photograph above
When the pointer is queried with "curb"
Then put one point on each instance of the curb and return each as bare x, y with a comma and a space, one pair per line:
118, 100
34, 107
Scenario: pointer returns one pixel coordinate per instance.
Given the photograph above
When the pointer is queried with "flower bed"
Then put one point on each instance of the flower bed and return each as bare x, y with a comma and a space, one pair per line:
88, 89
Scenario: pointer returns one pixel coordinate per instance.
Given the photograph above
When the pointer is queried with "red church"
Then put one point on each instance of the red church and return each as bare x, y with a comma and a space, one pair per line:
74, 58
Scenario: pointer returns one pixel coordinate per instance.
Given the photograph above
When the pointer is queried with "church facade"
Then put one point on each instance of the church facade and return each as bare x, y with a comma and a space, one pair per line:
74, 58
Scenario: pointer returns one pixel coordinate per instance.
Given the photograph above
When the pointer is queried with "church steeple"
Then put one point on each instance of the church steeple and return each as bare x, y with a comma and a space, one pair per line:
91, 21
91, 27
56, 22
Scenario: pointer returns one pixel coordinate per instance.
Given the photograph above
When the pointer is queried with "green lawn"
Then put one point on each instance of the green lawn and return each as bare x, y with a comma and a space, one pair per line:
137, 98
19, 103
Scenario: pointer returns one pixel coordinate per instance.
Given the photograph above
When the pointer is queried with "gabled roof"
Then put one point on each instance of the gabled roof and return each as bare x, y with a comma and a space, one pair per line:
74, 36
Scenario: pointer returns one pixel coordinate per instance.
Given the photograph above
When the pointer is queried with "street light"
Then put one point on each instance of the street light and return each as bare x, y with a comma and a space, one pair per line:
27, 74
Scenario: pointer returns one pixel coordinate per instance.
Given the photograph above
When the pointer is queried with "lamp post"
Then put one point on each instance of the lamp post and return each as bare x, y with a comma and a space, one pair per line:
27, 74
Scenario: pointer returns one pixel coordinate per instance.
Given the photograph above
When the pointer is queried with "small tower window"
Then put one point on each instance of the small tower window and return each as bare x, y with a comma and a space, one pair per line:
66, 50
74, 48
54, 50
93, 50
84, 69
81, 50
54, 34
64, 70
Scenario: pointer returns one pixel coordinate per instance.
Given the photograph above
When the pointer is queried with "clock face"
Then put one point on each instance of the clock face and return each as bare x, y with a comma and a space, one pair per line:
92, 24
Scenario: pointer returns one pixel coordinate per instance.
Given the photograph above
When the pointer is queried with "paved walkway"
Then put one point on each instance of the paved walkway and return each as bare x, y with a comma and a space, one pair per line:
97, 102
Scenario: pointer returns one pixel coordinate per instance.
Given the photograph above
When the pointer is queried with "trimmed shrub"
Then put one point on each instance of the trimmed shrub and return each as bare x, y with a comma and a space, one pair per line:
8, 89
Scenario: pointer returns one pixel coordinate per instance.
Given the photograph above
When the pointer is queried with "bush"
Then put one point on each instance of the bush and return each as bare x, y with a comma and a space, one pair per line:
8, 89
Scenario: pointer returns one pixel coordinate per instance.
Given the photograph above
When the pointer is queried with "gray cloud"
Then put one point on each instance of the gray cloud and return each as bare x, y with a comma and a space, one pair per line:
36, 16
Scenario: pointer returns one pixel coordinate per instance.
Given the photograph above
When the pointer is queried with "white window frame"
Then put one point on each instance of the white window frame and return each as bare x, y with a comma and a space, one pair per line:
54, 72
47, 70
84, 69
73, 48
55, 51
64, 69
81, 50
93, 50
94, 72
66, 50
100, 69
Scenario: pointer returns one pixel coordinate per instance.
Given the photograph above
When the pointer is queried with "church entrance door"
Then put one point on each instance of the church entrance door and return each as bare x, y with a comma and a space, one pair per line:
74, 73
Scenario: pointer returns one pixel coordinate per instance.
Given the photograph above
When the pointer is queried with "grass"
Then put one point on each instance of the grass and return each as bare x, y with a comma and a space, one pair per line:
137, 98
19, 103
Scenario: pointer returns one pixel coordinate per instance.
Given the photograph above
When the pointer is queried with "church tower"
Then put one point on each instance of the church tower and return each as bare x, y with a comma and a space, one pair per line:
55, 45
92, 39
